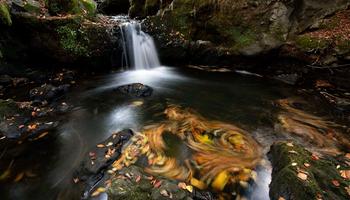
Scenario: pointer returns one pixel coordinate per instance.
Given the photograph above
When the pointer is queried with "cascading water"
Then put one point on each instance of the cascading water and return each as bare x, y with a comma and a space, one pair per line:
139, 48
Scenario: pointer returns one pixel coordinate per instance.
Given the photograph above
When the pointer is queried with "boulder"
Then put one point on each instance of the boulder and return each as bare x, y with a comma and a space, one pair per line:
48, 92
135, 90
132, 183
299, 174
5, 17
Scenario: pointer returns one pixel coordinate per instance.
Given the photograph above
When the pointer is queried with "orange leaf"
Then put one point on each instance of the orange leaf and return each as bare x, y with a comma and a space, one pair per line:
336, 183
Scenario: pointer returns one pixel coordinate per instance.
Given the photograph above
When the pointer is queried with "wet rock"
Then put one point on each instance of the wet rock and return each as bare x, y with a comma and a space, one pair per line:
5, 80
48, 92
291, 79
101, 156
11, 118
133, 183
299, 174
135, 90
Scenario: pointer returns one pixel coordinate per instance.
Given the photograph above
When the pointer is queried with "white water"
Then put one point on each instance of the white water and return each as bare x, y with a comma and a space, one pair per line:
139, 48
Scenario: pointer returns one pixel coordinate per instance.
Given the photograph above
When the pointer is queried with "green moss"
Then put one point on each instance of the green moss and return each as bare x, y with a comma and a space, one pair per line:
320, 174
85, 7
308, 43
5, 17
73, 40
32, 6
344, 46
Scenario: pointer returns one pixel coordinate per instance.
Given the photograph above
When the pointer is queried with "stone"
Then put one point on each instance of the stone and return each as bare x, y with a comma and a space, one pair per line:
5, 17
96, 161
312, 182
48, 92
135, 90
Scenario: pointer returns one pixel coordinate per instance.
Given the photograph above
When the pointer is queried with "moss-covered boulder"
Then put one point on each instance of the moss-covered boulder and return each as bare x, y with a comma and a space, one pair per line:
132, 183
299, 174
5, 17
87, 7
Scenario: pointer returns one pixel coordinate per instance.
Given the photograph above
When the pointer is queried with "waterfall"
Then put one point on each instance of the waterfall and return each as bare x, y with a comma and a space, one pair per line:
139, 48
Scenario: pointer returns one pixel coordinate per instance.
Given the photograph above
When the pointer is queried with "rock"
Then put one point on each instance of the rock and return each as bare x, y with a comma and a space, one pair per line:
299, 174
96, 162
48, 92
137, 185
30, 6
291, 79
11, 117
5, 80
5, 17
135, 90
72, 7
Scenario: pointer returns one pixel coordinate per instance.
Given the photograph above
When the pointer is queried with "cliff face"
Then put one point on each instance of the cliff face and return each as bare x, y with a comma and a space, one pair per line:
255, 27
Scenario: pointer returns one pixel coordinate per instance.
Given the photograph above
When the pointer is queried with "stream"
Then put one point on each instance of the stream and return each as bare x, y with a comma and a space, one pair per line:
239, 99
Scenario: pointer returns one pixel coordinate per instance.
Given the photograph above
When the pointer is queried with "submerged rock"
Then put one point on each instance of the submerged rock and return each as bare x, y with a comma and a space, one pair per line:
135, 90
299, 174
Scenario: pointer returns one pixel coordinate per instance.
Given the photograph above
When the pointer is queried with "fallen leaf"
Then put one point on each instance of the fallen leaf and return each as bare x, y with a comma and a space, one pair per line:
348, 190
32, 127
138, 179
306, 164
345, 174
281, 198
290, 144
302, 176
75, 180
19, 177
294, 164
347, 156
189, 188
41, 135
5, 174
220, 181
335, 183
314, 157
182, 185
164, 193
100, 145
198, 184
157, 184
109, 144
137, 103
30, 174
98, 191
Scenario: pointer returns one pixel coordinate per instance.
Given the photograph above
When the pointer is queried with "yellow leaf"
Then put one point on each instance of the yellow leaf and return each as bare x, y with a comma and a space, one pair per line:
302, 176
19, 177
5, 174
220, 181
198, 184
189, 188
204, 139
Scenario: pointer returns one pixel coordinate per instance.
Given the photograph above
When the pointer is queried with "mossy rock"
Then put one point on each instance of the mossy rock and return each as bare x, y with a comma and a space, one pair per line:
5, 17
130, 189
288, 160
73, 39
85, 7
309, 43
